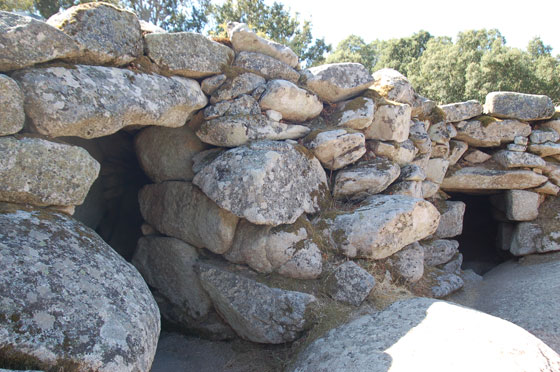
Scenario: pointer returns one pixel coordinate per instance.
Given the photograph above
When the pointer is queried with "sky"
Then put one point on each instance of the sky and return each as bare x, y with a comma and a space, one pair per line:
518, 21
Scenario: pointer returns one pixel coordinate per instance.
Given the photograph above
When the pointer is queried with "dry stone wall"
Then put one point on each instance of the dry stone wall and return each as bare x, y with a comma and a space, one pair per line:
260, 170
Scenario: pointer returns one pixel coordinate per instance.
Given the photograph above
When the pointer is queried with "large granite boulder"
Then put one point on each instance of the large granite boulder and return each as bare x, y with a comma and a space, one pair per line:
521, 106
338, 81
40, 172
266, 182
106, 34
188, 54
292, 102
244, 39
525, 293
256, 311
268, 67
165, 154
233, 131
12, 116
23, 42
395, 340
94, 101
181, 210
68, 299
380, 226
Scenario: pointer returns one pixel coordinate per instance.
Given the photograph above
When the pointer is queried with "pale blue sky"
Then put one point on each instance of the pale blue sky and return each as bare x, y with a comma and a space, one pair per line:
518, 21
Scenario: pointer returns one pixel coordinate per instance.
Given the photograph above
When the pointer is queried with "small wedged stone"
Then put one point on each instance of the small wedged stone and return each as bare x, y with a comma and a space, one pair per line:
440, 150
441, 132
40, 172
349, 283
456, 150
456, 112
242, 105
401, 153
286, 249
12, 116
515, 159
454, 265
181, 210
407, 188
474, 156
265, 66
544, 135
256, 312
419, 136
356, 113
338, 81
294, 103
485, 131
380, 226
232, 88
336, 148
444, 283
440, 251
412, 172
68, 299
365, 178
107, 35
391, 122
483, 178
23, 42
436, 170
409, 262
548, 188
233, 131
244, 39
95, 101
451, 221
210, 84
545, 149
266, 182
521, 106
188, 54
165, 154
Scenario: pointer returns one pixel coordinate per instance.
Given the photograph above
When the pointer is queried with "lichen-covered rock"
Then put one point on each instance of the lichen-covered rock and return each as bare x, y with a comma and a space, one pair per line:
234, 87
286, 249
485, 178
255, 311
401, 153
451, 221
394, 86
39, 172
440, 251
367, 177
336, 148
23, 42
233, 131
244, 39
519, 205
394, 340
106, 34
391, 122
526, 239
167, 265
485, 131
444, 283
266, 182
515, 159
544, 135
292, 102
69, 299
242, 105
188, 54
12, 116
412, 172
409, 262
209, 85
94, 101
456, 150
419, 136
407, 188
356, 113
545, 149
455, 112
181, 210
441, 132
265, 66
165, 154
380, 226
338, 81
474, 156
521, 106
349, 283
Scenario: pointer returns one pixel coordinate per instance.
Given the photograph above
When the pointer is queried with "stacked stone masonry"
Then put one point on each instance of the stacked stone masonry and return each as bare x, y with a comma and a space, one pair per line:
260, 168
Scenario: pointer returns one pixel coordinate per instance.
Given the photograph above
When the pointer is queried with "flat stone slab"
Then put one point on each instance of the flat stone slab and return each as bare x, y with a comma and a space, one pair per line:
366, 177
40, 172
455, 112
95, 101
485, 131
521, 106
268, 67
394, 340
480, 178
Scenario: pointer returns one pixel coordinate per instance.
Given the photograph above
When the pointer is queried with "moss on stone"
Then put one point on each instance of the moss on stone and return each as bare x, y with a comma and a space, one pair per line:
436, 115
12, 358
485, 120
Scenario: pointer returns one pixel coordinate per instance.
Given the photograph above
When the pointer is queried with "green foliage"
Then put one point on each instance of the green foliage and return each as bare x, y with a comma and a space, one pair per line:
16, 5
354, 49
49, 7
171, 15
273, 22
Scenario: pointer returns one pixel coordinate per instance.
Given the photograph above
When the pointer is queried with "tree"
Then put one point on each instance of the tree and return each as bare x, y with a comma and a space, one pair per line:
354, 49
172, 15
400, 53
273, 22
16, 5
49, 7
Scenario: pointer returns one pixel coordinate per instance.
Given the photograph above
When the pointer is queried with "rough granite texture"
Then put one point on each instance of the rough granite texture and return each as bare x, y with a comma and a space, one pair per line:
366, 177
105, 34
94, 101
485, 131
23, 42
294, 103
40, 172
455, 112
265, 66
336, 148
521, 106
12, 116
266, 182
338, 81
422, 334
188, 54
349, 283
480, 178
66, 295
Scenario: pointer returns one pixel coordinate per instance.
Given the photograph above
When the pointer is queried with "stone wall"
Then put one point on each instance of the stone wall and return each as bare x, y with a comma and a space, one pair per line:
278, 192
